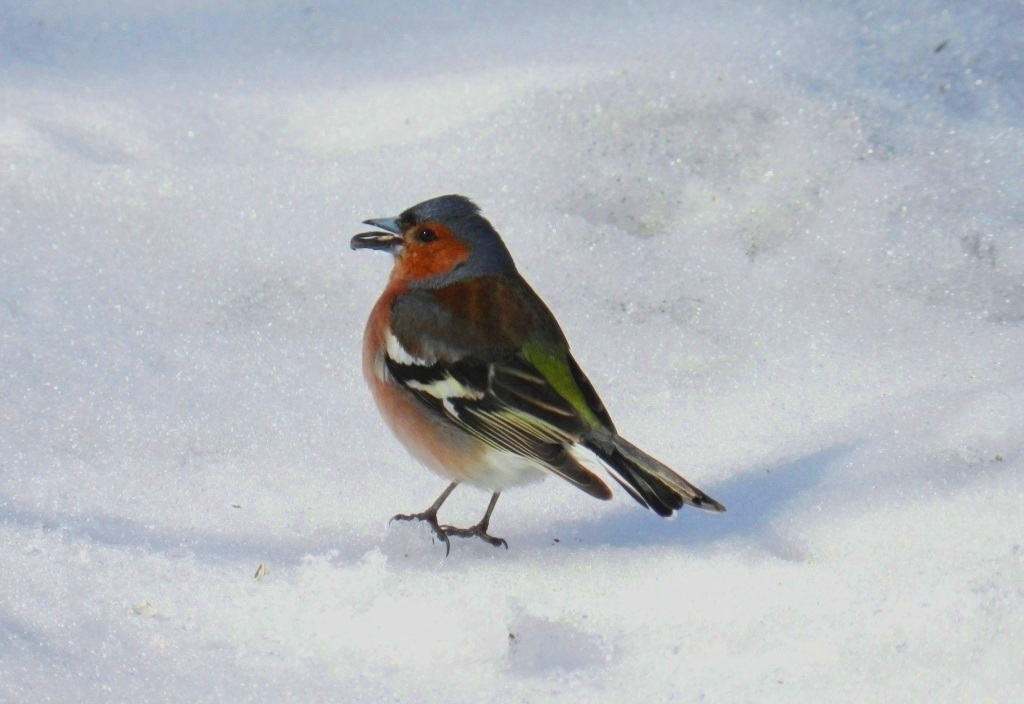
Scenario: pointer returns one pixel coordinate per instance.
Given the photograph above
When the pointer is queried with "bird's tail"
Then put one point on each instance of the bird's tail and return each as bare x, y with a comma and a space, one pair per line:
647, 480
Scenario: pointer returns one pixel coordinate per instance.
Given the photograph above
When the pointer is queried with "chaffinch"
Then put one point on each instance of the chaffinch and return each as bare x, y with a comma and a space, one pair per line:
471, 372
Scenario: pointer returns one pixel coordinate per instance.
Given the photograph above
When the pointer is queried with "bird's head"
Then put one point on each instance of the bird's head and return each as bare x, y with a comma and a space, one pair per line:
439, 241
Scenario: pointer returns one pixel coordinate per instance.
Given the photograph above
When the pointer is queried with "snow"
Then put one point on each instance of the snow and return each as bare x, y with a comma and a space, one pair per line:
786, 242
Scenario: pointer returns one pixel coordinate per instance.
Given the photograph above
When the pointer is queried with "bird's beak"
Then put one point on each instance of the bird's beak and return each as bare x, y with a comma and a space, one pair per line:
387, 241
388, 224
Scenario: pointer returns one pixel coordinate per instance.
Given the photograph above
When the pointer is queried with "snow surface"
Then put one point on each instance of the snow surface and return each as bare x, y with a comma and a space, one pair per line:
785, 240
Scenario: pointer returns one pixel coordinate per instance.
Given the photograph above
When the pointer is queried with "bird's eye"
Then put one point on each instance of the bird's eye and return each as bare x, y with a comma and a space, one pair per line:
426, 235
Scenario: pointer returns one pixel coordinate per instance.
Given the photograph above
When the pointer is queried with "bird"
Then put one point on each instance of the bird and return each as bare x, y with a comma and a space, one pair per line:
471, 372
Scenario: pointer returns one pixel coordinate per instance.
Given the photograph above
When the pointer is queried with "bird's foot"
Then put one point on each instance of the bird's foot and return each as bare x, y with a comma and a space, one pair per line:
477, 531
430, 518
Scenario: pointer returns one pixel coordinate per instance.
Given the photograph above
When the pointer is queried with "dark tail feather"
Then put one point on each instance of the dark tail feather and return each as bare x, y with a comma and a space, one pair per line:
568, 468
651, 483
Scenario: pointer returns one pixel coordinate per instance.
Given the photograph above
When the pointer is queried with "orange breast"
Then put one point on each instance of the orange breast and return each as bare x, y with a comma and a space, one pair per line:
442, 448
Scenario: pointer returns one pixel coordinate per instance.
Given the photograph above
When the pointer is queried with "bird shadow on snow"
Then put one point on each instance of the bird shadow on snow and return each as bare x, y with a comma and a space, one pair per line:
752, 500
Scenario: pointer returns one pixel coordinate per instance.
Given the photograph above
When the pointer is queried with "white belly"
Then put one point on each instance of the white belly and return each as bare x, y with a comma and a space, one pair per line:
500, 470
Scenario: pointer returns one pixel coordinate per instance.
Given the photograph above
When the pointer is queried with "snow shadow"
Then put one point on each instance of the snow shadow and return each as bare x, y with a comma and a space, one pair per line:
122, 532
19, 636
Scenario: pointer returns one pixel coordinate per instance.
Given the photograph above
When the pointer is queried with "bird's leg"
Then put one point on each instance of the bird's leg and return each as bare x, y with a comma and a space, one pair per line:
430, 517
480, 529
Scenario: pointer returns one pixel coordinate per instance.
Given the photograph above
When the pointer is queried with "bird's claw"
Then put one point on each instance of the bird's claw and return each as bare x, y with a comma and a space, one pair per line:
431, 520
477, 531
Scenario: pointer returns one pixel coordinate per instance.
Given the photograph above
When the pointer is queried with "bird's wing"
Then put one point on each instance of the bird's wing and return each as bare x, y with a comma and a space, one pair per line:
524, 400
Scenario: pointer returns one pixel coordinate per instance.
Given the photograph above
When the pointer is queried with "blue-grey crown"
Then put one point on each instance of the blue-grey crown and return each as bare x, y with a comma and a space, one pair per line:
444, 209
